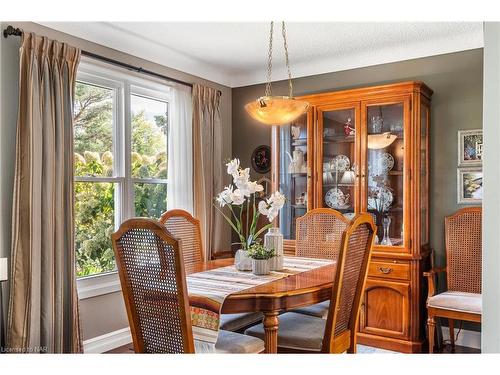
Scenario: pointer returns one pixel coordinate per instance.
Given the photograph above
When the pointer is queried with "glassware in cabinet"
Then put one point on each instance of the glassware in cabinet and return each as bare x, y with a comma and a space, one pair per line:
386, 170
337, 169
294, 170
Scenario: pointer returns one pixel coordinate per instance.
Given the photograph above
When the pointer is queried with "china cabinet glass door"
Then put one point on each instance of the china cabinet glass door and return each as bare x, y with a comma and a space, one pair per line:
386, 169
338, 149
295, 172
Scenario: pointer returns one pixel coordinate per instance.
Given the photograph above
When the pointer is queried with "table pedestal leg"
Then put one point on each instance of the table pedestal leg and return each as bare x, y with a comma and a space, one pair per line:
271, 323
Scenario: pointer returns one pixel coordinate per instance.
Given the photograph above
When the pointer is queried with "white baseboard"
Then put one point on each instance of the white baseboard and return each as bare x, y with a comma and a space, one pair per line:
109, 341
470, 339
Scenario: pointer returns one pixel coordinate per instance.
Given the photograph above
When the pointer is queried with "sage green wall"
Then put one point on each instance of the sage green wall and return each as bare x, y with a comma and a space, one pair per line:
457, 81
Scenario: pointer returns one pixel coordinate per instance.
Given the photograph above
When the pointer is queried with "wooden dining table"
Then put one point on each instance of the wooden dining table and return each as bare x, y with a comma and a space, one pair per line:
302, 289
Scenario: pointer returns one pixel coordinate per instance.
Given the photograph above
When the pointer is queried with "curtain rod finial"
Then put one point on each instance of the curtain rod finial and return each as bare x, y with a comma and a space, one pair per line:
11, 30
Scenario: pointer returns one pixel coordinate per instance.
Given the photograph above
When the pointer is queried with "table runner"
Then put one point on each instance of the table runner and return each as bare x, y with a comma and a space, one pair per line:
208, 289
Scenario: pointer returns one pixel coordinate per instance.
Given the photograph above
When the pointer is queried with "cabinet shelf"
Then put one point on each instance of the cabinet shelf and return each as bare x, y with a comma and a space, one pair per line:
299, 142
338, 139
340, 185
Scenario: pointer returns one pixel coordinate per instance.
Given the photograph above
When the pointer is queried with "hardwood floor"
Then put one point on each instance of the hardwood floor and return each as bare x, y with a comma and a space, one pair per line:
129, 349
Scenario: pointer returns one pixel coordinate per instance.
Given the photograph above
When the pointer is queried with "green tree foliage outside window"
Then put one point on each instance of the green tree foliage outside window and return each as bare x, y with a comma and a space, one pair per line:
95, 201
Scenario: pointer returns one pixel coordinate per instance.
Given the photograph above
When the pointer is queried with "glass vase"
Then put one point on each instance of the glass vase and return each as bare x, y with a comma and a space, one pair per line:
273, 239
386, 223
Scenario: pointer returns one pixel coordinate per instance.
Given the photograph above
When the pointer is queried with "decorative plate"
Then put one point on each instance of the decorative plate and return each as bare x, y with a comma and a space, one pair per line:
386, 162
384, 200
261, 159
334, 198
341, 163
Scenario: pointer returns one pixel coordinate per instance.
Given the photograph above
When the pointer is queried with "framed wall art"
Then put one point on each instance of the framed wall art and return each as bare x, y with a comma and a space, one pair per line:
261, 159
470, 185
470, 147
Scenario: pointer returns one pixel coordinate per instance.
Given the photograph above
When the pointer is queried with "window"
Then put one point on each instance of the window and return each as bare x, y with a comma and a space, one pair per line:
120, 129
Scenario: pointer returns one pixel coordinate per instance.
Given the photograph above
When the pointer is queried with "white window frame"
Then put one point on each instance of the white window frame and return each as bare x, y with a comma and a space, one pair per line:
124, 84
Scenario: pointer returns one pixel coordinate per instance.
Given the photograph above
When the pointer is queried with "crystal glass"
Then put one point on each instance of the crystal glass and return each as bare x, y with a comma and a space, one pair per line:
386, 171
386, 223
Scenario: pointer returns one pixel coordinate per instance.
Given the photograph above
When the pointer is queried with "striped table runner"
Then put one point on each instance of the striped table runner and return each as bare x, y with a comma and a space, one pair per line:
207, 291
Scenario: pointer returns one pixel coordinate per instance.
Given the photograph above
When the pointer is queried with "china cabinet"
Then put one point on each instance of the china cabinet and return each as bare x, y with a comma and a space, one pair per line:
367, 150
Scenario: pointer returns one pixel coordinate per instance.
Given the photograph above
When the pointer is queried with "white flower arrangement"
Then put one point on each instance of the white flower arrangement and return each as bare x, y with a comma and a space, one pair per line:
242, 191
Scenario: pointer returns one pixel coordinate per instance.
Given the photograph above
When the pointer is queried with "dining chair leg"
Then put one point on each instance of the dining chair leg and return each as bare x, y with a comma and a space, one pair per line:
271, 323
451, 325
431, 325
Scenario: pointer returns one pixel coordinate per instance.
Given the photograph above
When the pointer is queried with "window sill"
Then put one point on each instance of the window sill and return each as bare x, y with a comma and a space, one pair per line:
98, 285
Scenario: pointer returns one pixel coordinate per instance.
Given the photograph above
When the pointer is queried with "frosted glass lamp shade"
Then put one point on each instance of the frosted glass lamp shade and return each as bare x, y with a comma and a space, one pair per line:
377, 141
276, 110
3, 269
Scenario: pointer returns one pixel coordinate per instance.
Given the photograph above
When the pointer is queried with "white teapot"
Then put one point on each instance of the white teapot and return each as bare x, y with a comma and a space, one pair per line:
297, 162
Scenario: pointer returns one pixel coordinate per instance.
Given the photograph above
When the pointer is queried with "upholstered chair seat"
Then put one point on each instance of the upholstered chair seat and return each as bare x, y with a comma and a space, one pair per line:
319, 310
235, 322
457, 301
296, 332
233, 343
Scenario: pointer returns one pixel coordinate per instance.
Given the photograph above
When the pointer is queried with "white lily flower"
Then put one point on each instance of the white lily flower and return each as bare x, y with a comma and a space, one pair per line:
232, 167
277, 200
273, 213
263, 208
242, 181
237, 197
225, 196
254, 187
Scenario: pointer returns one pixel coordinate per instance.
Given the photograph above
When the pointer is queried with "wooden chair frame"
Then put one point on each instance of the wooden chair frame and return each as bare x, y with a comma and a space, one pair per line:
451, 315
186, 215
346, 341
185, 313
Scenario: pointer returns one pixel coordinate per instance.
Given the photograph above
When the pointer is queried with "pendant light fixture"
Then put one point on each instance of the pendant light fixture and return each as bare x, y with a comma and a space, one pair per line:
277, 110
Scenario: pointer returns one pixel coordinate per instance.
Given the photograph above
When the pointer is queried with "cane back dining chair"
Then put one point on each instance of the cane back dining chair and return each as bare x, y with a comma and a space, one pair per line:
319, 235
183, 226
336, 334
462, 300
153, 280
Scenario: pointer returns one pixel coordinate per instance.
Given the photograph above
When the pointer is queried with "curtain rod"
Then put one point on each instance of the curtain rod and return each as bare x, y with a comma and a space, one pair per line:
10, 30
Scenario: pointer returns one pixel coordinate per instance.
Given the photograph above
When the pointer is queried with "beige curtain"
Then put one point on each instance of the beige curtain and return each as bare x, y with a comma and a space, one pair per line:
207, 165
43, 304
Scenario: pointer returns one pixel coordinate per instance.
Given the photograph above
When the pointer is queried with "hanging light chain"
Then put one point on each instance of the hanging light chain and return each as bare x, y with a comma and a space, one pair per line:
270, 61
287, 61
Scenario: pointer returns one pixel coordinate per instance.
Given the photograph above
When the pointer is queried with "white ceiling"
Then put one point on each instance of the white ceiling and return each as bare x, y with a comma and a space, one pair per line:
235, 54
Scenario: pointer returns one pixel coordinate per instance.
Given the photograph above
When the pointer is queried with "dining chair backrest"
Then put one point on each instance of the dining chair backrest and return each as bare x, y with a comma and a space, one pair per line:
350, 278
463, 250
319, 233
187, 230
153, 283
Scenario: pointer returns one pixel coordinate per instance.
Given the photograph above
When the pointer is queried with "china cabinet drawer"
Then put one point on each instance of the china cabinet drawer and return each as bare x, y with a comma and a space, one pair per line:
389, 270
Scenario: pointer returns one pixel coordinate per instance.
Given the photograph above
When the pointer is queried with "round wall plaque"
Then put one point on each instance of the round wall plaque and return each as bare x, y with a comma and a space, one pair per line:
261, 159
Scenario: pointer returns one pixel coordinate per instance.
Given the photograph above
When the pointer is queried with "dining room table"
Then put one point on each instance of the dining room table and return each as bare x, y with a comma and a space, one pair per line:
274, 297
